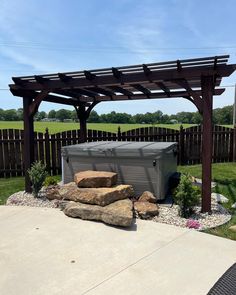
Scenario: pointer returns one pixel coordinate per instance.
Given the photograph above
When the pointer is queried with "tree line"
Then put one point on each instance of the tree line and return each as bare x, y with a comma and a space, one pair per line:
220, 116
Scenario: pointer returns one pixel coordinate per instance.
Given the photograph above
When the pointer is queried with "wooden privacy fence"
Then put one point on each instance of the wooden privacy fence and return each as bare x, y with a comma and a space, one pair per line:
48, 146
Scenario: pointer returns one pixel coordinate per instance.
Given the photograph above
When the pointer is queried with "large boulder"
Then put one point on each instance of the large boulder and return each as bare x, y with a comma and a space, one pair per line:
146, 210
219, 198
95, 179
147, 197
95, 196
119, 213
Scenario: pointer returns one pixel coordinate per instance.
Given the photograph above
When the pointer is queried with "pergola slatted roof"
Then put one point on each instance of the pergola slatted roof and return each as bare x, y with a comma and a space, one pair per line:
154, 80
205, 61
194, 79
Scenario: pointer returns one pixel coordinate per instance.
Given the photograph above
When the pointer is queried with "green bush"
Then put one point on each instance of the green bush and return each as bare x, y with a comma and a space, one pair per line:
37, 174
186, 196
50, 180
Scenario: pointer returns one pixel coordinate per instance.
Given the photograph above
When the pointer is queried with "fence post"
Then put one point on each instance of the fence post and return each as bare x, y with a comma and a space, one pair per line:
234, 144
181, 145
47, 151
119, 134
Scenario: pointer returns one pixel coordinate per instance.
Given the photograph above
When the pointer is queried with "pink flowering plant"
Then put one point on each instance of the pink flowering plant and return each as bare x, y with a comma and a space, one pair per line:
191, 223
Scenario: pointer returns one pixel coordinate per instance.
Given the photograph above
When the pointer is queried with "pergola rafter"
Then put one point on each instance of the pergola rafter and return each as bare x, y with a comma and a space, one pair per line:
194, 79
164, 88
142, 89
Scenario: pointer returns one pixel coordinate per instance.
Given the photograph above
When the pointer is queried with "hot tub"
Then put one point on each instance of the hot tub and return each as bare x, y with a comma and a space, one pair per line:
145, 165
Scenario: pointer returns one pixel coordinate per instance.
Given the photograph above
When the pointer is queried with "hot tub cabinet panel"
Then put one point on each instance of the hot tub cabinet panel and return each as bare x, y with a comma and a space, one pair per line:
145, 165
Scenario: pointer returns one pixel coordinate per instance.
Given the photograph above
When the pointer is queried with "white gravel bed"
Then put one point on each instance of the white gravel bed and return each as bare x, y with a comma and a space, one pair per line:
24, 199
169, 215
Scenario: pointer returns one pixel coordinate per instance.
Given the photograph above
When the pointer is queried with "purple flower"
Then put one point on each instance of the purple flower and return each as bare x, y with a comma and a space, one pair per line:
193, 224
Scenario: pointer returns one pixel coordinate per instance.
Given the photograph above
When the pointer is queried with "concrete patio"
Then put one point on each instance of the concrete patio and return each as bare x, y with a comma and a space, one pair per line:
44, 252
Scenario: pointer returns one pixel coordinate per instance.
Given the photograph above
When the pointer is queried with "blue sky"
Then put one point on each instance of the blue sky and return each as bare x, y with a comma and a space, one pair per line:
44, 36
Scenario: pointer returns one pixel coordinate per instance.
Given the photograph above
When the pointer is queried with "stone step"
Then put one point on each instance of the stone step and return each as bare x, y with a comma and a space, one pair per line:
94, 179
94, 196
119, 213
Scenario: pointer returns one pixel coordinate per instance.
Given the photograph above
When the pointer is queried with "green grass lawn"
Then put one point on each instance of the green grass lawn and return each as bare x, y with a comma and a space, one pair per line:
225, 176
55, 127
9, 186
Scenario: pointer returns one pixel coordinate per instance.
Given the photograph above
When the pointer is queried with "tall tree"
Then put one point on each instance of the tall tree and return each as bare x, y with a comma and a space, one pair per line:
40, 116
94, 117
19, 113
63, 114
52, 114
10, 115
1, 114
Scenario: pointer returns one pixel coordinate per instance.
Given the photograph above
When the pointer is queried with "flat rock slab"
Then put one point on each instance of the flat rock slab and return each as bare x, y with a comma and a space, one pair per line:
95, 196
119, 213
146, 210
95, 179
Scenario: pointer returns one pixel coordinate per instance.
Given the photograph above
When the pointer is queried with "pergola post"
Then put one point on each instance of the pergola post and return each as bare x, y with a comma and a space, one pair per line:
83, 129
207, 83
28, 141
82, 116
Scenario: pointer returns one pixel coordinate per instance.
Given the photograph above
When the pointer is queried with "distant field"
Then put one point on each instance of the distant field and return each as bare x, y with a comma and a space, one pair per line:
55, 127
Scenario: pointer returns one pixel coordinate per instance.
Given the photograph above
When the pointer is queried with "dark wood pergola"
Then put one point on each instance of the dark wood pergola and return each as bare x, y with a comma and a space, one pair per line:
194, 79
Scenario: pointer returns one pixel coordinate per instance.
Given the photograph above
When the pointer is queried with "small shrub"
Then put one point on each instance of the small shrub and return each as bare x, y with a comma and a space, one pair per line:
186, 196
50, 180
37, 174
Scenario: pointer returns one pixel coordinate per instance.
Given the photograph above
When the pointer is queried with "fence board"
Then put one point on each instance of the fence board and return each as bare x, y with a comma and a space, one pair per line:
53, 155
41, 147
22, 150
36, 156
12, 154
231, 152
1, 156
58, 152
47, 151
18, 154
6, 152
